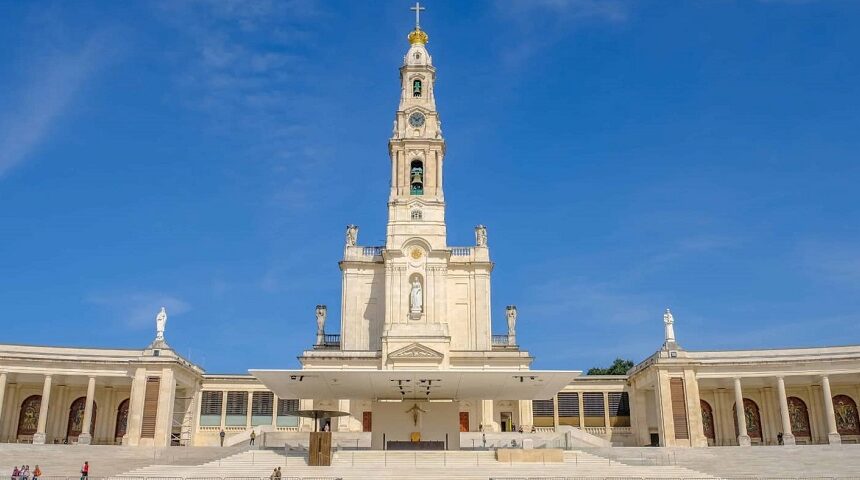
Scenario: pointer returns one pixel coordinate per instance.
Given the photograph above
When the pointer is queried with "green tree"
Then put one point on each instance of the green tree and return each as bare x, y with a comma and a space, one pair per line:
618, 367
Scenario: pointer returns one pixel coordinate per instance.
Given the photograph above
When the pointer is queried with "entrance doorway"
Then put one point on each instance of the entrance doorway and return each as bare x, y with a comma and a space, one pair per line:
464, 421
366, 421
507, 421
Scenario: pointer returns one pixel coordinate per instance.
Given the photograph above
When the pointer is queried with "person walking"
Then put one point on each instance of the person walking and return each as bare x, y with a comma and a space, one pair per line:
222, 435
253, 436
274, 474
85, 471
15, 473
37, 473
278, 473
25, 473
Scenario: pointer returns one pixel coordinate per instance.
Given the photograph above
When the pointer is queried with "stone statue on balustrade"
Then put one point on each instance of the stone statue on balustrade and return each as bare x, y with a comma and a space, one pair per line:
481, 236
160, 323
511, 314
321, 312
669, 324
351, 235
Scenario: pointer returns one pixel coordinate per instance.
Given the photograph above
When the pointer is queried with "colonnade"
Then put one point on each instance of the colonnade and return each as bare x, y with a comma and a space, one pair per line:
788, 438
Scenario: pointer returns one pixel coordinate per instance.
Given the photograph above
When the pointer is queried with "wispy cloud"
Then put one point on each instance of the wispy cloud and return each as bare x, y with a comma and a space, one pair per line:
832, 262
540, 24
138, 309
42, 99
244, 65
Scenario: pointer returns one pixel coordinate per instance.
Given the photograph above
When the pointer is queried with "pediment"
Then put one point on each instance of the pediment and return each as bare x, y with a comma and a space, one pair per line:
416, 351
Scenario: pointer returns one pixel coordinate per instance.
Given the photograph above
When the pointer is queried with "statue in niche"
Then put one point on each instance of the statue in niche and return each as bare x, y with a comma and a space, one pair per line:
481, 236
416, 297
321, 316
511, 314
351, 235
160, 323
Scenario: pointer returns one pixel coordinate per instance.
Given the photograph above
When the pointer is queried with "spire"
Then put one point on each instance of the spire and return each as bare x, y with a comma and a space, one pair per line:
418, 36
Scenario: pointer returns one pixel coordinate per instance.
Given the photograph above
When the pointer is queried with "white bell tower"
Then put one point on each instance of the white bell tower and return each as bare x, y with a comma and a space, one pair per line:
416, 204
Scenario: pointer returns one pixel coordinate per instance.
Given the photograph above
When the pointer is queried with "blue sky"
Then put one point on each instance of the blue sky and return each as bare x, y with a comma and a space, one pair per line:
625, 156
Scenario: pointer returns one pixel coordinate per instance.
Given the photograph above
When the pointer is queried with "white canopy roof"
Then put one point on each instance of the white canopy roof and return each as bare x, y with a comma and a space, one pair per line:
416, 384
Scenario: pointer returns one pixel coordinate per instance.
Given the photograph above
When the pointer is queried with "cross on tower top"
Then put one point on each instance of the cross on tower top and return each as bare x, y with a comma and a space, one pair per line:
417, 8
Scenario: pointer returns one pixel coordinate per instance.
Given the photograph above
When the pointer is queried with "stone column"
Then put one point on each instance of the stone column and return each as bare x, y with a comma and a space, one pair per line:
581, 410
743, 438
555, 412
86, 436
135, 408
832, 433
526, 414
787, 436
488, 416
39, 436
164, 414
664, 409
2, 398
274, 411
606, 424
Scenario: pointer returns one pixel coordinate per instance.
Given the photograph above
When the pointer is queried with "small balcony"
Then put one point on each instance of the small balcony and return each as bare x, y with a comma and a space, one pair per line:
331, 341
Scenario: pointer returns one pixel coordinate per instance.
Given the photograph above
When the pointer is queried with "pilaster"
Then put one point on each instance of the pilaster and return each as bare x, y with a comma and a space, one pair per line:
694, 410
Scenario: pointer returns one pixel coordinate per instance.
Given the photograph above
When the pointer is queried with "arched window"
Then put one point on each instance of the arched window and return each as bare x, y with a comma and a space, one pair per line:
76, 418
798, 416
847, 422
28, 420
417, 214
416, 175
752, 416
121, 421
416, 88
708, 420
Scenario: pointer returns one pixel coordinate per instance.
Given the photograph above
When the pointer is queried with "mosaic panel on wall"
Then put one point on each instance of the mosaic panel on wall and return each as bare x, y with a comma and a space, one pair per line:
76, 418
753, 419
708, 420
798, 416
28, 421
847, 421
121, 419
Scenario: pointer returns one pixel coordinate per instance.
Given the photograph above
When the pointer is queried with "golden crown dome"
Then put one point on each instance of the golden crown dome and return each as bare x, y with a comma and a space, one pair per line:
418, 36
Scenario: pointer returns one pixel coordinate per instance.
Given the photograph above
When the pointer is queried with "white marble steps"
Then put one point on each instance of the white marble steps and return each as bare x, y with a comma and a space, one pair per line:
397, 465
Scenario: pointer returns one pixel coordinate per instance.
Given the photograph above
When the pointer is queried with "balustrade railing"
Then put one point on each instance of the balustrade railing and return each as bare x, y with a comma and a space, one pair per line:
330, 340
461, 251
500, 339
372, 251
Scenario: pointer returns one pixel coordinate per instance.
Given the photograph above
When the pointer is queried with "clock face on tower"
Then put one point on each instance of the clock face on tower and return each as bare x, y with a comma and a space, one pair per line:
416, 119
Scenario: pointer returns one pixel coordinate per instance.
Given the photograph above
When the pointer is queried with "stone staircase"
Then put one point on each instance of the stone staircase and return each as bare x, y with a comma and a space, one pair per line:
105, 460
802, 461
371, 464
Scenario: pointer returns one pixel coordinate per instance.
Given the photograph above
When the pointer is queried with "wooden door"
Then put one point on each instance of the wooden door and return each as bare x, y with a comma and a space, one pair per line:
464, 421
367, 422
319, 451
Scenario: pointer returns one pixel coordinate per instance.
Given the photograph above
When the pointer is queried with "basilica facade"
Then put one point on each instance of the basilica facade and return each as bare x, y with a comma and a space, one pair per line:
413, 360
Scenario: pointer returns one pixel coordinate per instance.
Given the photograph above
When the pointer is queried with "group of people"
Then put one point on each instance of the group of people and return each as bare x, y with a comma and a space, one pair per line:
276, 474
24, 473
